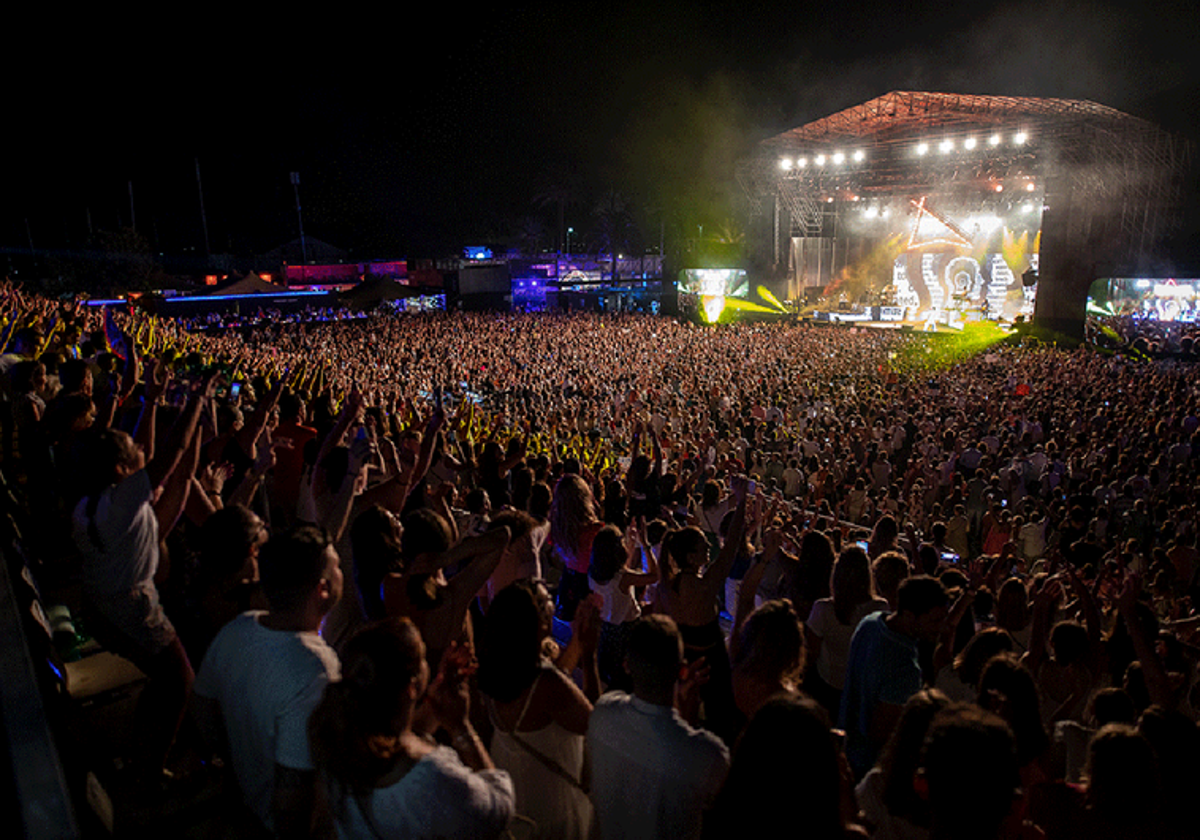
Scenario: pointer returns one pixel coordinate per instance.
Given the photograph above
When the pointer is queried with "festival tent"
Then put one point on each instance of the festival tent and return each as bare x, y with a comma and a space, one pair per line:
251, 284
370, 293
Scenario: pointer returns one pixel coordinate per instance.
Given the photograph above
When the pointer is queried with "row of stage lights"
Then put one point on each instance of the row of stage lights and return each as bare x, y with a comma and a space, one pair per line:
1028, 187
970, 143
876, 212
923, 148
837, 159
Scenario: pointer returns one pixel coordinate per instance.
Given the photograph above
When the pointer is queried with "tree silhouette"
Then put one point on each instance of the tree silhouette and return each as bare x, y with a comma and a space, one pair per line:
558, 187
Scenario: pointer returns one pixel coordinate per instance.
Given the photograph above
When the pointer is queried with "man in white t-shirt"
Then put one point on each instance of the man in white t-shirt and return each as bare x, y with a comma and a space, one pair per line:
263, 675
652, 774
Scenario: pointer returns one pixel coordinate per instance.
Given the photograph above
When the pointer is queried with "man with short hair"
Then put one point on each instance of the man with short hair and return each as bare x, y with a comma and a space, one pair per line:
652, 774
263, 675
883, 670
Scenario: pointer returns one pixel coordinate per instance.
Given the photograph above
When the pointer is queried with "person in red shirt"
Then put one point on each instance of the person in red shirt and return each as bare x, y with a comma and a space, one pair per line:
289, 463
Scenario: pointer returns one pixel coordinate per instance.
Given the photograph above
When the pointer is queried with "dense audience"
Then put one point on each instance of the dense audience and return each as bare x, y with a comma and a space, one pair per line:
419, 562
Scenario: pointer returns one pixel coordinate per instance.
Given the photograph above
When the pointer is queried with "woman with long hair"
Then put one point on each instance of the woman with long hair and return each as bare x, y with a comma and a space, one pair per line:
814, 568
890, 803
1007, 689
884, 536
375, 543
384, 779
574, 523
832, 622
768, 657
613, 577
539, 716
810, 789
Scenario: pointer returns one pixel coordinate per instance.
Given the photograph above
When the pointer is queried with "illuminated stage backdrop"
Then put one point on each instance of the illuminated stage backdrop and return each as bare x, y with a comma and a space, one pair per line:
966, 262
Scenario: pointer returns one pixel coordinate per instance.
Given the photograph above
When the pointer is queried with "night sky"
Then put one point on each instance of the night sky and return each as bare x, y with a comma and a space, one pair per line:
422, 129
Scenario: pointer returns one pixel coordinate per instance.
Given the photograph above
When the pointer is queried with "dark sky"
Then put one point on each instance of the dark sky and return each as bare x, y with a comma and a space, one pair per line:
424, 128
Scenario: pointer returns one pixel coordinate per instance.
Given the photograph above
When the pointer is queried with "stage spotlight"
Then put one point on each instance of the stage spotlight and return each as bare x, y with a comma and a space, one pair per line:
946, 146
803, 162
1030, 187
994, 140
819, 160
999, 188
969, 143
859, 156
1019, 138
785, 164
922, 148
871, 212
839, 158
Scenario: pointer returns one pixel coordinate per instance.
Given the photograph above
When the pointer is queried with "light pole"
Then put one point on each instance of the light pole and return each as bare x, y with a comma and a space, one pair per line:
570, 230
295, 179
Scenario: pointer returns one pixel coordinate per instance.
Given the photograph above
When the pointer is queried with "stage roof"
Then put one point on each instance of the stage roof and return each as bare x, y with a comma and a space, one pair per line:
910, 143
903, 112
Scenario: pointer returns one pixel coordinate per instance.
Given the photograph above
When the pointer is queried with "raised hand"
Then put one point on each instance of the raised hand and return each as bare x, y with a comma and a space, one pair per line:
157, 377
449, 696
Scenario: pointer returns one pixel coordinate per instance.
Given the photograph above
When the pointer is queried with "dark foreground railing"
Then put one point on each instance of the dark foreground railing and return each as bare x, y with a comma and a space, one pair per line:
38, 792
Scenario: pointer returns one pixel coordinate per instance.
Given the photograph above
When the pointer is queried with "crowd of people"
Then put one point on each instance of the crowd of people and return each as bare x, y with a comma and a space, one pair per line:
459, 574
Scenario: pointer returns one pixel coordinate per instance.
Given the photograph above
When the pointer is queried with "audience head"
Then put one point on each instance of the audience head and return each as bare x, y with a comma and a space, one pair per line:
1123, 783
970, 771
654, 657
762, 793
299, 570
230, 541
510, 649
356, 730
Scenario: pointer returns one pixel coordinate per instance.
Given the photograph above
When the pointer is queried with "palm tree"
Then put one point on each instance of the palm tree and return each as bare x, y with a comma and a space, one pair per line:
529, 232
614, 224
558, 187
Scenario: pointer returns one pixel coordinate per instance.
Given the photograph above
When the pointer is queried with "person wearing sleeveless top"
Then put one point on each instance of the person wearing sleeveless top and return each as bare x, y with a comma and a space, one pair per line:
539, 716
612, 577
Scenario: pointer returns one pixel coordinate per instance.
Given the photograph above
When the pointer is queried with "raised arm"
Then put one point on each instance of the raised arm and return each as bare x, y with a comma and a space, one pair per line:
248, 435
943, 653
714, 577
634, 576
477, 557
166, 458
170, 504
1158, 684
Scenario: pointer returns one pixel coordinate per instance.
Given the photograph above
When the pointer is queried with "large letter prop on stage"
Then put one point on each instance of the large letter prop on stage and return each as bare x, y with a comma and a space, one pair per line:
967, 266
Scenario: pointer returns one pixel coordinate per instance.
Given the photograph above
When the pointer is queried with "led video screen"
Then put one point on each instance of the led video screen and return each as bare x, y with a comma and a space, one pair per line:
940, 261
1152, 299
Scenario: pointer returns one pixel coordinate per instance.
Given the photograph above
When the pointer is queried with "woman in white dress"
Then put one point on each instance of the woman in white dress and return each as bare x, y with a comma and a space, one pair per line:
540, 717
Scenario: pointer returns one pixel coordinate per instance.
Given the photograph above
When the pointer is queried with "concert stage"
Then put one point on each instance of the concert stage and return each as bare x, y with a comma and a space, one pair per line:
956, 207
